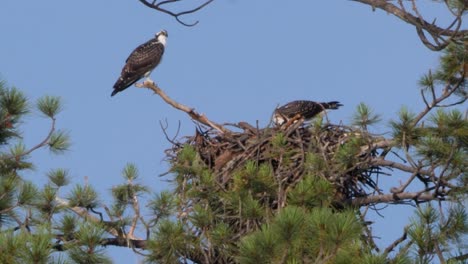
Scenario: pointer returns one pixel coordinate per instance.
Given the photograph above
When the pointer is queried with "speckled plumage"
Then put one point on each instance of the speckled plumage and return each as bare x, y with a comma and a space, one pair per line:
141, 62
302, 109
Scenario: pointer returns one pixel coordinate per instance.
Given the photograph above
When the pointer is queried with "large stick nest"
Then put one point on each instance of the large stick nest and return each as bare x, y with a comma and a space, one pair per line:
338, 153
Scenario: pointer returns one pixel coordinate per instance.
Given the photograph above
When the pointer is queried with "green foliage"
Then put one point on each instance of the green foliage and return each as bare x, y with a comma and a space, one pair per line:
347, 154
452, 63
13, 244
458, 5
221, 234
27, 193
88, 247
456, 225
451, 126
126, 193
46, 204
130, 172
364, 116
405, 133
257, 179
188, 162
67, 226
298, 235
279, 140
270, 208
13, 101
8, 188
13, 106
59, 177
38, 247
59, 142
315, 162
83, 196
435, 236
24, 247
15, 159
427, 81
49, 105
312, 192
202, 217
169, 240
162, 205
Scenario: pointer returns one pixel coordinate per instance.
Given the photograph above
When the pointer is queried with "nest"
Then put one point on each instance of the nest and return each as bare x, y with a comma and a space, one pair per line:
343, 155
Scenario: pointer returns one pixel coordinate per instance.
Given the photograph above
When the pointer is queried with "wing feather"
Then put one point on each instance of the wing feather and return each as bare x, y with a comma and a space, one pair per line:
140, 62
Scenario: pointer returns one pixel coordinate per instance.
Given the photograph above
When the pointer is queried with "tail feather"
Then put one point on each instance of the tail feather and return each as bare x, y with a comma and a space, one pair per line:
332, 105
122, 84
114, 92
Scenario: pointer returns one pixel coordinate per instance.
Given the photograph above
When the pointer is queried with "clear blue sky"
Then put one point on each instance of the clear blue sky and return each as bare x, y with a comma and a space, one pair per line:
241, 61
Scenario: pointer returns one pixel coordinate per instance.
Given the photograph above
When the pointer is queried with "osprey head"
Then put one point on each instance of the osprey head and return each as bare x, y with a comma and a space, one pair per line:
161, 36
162, 32
278, 118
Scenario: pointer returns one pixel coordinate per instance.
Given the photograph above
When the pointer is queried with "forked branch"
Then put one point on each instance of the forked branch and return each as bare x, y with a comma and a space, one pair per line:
441, 37
161, 6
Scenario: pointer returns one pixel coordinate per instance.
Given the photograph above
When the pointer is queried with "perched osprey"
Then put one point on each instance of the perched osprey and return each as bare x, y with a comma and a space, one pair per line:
301, 109
141, 62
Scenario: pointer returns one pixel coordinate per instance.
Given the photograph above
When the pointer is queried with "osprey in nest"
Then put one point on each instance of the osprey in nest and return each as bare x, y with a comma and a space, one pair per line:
141, 62
301, 109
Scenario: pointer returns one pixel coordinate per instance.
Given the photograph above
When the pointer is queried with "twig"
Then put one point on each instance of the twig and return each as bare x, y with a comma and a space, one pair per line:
396, 242
164, 129
176, 15
436, 101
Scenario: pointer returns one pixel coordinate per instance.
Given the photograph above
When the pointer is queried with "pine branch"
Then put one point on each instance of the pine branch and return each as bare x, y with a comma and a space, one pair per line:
396, 242
436, 32
448, 91
392, 198
458, 258
402, 167
84, 213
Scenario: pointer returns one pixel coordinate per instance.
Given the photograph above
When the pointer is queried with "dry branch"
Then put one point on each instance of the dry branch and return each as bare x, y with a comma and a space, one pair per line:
160, 6
201, 118
397, 242
441, 37
393, 198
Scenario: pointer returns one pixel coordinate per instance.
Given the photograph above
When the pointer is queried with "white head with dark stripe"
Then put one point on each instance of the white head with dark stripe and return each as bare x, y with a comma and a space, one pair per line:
161, 36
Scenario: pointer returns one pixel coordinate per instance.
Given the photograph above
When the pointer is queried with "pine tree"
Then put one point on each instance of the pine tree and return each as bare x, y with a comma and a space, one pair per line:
280, 194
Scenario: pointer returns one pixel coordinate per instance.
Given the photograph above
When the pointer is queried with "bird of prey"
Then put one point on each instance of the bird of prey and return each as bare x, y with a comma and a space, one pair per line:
141, 62
295, 110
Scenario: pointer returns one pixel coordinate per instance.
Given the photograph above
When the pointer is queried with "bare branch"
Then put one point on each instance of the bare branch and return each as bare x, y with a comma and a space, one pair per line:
436, 32
45, 141
402, 167
435, 103
393, 198
190, 111
396, 242
403, 187
176, 15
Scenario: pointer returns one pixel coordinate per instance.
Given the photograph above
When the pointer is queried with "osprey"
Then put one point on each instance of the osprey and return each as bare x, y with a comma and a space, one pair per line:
141, 62
301, 109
